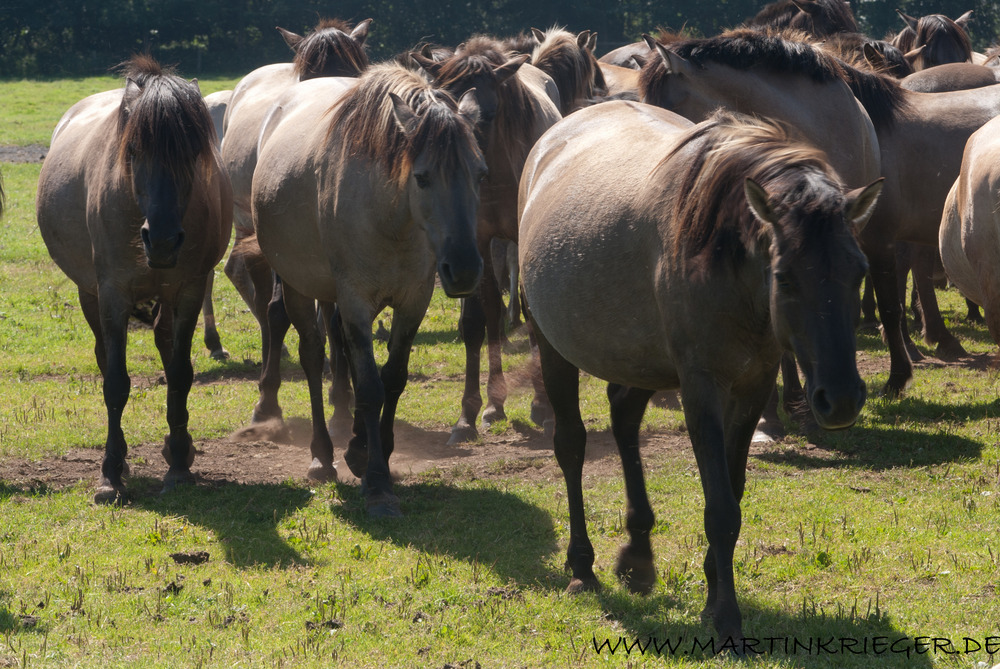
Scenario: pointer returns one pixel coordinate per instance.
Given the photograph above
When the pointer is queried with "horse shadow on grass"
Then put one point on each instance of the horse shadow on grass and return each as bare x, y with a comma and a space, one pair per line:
485, 525
243, 517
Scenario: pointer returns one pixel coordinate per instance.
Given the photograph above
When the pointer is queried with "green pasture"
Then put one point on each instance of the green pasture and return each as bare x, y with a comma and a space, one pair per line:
876, 546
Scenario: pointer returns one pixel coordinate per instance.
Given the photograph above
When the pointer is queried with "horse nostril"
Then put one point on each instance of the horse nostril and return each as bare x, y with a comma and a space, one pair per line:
820, 402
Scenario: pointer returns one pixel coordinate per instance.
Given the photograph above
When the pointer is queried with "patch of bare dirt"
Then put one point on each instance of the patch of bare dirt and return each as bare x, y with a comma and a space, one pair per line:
32, 153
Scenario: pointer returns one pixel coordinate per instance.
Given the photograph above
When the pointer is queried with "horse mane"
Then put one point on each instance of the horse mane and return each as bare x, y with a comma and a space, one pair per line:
929, 33
819, 18
329, 51
790, 52
164, 116
365, 122
714, 222
574, 69
516, 107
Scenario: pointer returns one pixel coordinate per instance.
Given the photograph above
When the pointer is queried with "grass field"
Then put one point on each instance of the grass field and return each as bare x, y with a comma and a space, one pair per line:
876, 546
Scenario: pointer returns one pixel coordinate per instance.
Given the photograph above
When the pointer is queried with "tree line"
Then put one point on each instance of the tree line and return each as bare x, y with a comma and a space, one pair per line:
87, 37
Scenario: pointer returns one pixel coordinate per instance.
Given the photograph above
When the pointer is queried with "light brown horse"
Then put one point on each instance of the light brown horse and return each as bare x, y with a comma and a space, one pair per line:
133, 204
515, 109
362, 205
785, 79
703, 254
333, 49
569, 60
969, 238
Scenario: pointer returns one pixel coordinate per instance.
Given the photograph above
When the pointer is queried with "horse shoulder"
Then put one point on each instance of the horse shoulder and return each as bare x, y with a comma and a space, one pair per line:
217, 104
264, 81
620, 80
543, 88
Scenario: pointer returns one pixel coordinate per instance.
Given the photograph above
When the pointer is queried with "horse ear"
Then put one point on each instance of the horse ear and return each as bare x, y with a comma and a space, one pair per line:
405, 117
194, 82
808, 6
468, 107
510, 68
582, 39
963, 20
592, 42
674, 63
360, 32
759, 203
639, 60
291, 39
874, 56
132, 89
861, 203
911, 56
909, 20
431, 66
537, 35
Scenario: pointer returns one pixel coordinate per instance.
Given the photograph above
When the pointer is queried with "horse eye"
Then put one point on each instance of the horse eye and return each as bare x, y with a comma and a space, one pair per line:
483, 175
784, 280
423, 181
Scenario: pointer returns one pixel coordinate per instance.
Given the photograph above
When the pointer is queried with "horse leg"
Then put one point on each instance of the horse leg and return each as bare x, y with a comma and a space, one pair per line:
301, 311
514, 272
405, 324
179, 449
340, 389
274, 327
113, 331
973, 315
92, 314
881, 259
935, 331
703, 411
212, 341
869, 319
369, 397
635, 559
905, 253
496, 384
472, 327
562, 381
541, 407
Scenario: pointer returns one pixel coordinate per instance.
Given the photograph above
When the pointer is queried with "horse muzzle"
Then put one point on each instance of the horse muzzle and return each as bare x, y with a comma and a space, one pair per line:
838, 408
460, 275
161, 252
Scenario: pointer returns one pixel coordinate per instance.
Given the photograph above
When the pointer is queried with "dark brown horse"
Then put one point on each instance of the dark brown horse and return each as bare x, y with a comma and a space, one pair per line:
515, 110
819, 18
733, 213
133, 204
934, 39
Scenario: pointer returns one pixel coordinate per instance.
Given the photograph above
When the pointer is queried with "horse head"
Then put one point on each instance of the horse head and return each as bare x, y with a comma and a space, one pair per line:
165, 130
333, 49
816, 273
446, 167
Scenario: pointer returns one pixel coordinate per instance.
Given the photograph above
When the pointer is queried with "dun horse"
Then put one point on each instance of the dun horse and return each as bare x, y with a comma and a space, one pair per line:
362, 205
671, 232
133, 204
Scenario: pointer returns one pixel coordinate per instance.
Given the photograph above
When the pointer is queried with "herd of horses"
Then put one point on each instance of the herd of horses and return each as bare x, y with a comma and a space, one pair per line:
766, 171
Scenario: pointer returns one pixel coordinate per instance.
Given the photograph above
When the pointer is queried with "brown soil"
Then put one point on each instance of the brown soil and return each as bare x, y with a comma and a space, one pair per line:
33, 153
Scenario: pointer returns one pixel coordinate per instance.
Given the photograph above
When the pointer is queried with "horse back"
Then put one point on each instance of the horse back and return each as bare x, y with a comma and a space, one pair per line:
595, 204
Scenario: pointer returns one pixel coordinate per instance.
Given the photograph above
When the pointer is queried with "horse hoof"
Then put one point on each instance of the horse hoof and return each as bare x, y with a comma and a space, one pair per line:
339, 428
578, 585
175, 478
462, 433
768, 431
493, 415
383, 505
913, 352
540, 414
950, 350
356, 458
220, 354
320, 472
636, 572
110, 494
549, 428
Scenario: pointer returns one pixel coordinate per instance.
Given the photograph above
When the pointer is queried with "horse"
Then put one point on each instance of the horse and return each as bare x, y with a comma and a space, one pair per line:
363, 190
934, 39
819, 18
515, 109
731, 212
133, 204
768, 75
951, 77
333, 49
569, 60
969, 238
